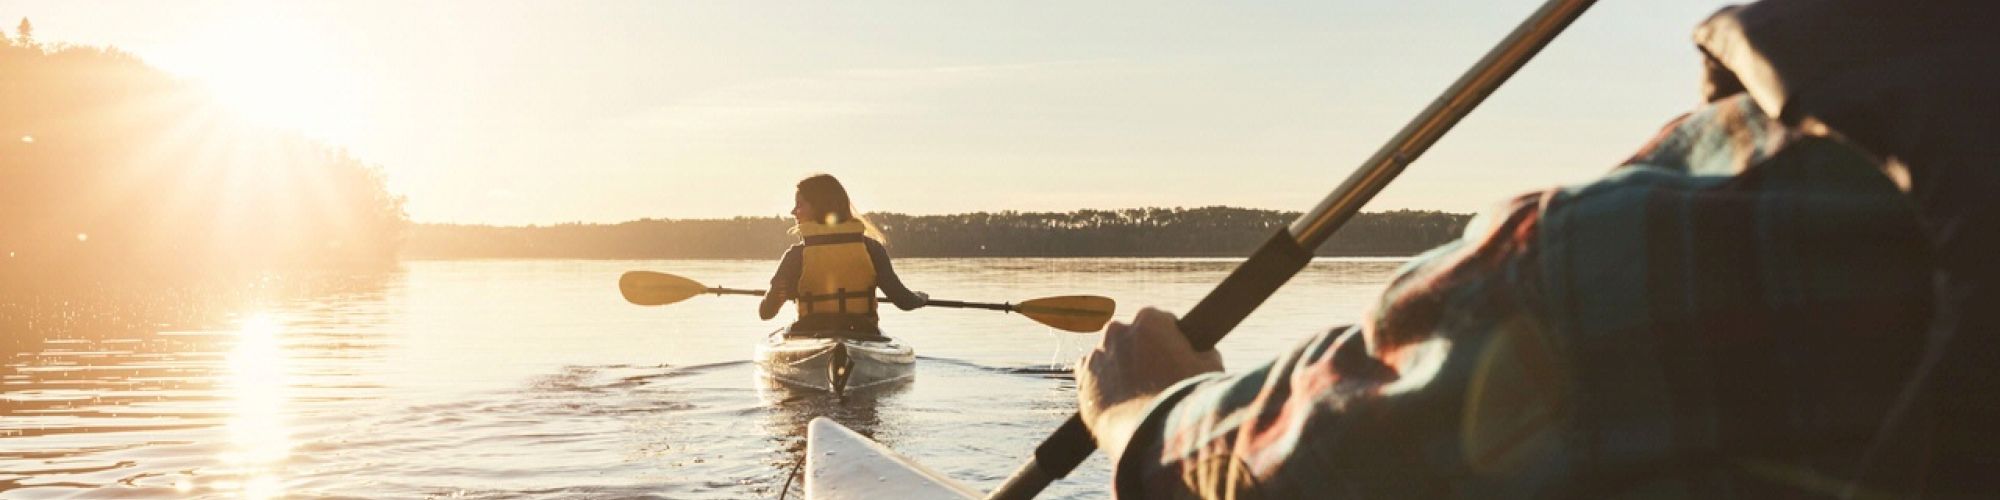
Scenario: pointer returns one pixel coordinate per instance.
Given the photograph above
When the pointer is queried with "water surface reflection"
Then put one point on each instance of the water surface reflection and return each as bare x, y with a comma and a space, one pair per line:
154, 390
259, 383
533, 379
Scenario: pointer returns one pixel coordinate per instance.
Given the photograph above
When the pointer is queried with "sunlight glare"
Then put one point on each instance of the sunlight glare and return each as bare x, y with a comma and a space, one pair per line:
272, 69
257, 429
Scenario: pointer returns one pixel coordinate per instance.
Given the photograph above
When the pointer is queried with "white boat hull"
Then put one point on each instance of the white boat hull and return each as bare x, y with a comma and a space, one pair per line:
834, 365
841, 465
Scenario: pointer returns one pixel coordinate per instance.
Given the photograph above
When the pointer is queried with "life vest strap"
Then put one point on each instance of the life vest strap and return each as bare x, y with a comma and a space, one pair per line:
834, 239
835, 296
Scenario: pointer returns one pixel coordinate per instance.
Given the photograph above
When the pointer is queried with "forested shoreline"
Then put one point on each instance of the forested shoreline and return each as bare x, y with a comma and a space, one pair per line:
1140, 232
110, 167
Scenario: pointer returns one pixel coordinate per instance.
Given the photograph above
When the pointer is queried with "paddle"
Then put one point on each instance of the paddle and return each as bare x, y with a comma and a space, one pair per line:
1070, 313
1291, 248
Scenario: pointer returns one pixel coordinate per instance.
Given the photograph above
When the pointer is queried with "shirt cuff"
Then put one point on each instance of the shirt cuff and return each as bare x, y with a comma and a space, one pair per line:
1143, 452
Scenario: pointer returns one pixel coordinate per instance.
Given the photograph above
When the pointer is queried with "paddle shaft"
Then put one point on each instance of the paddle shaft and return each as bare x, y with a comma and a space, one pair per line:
953, 304
1290, 249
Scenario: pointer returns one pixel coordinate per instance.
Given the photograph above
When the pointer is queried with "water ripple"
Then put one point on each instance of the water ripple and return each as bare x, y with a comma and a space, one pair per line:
531, 379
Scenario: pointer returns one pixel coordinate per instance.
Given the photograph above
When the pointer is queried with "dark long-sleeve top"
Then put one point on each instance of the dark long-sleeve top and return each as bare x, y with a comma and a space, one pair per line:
784, 284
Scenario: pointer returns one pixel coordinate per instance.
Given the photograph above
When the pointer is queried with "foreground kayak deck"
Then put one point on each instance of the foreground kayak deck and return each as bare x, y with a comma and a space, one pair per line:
841, 464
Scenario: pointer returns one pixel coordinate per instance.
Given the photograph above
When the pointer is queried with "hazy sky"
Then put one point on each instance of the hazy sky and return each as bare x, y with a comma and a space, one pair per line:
517, 112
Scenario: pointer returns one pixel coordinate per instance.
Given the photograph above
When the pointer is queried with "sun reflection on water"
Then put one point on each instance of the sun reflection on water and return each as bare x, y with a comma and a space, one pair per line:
259, 437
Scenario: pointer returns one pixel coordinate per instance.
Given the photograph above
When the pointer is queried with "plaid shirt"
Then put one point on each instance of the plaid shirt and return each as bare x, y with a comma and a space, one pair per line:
1728, 314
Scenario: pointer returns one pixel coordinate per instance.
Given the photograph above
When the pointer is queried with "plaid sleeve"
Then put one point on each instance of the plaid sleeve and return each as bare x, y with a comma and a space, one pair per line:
1364, 410
1673, 325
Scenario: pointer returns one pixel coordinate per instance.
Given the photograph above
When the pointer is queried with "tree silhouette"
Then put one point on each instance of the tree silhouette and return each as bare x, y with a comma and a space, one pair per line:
1138, 232
26, 31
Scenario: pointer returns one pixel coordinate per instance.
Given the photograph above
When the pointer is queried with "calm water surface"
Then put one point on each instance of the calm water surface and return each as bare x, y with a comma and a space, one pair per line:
533, 379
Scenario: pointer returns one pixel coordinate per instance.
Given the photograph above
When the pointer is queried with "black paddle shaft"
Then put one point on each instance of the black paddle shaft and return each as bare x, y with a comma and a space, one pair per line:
1256, 279
959, 304
1288, 251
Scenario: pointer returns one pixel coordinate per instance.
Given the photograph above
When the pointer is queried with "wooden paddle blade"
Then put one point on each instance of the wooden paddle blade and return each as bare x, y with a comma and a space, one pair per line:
649, 288
1072, 313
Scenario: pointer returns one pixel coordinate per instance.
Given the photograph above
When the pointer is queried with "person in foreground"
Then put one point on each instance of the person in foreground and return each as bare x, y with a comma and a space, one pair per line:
836, 268
1780, 296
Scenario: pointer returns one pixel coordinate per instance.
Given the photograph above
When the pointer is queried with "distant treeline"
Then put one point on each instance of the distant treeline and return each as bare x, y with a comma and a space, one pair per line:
107, 164
1140, 232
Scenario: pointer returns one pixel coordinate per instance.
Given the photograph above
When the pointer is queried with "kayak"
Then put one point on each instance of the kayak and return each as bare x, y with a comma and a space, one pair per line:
834, 365
841, 464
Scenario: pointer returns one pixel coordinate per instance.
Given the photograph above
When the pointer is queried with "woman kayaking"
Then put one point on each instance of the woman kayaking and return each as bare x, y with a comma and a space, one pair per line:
834, 272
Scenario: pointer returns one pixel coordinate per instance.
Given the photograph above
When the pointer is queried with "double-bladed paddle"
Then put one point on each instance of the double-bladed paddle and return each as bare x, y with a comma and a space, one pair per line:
1070, 313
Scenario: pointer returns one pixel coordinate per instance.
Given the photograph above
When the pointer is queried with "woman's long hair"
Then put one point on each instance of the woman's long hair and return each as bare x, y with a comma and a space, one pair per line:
825, 194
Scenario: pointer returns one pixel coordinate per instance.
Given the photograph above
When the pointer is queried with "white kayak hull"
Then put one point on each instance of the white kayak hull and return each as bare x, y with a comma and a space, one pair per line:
835, 365
842, 465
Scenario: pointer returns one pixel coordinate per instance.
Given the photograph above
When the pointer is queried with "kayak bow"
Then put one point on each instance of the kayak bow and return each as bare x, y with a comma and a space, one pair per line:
841, 465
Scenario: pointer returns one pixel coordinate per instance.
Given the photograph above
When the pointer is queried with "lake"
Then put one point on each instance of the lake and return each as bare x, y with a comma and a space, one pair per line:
534, 379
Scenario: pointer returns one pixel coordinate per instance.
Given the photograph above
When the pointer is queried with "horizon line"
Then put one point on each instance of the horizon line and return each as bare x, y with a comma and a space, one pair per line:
903, 214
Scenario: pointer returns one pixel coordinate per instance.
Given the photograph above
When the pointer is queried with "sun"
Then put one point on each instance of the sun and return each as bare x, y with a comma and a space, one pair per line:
273, 69
271, 91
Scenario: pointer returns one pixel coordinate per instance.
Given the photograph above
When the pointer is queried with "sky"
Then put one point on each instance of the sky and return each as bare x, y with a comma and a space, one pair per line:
541, 112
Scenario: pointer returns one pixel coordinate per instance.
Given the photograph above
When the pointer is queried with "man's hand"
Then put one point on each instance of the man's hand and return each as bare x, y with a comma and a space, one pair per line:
1116, 381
